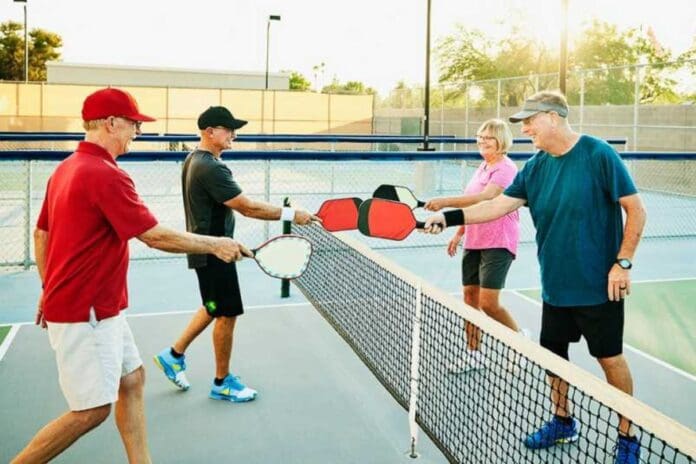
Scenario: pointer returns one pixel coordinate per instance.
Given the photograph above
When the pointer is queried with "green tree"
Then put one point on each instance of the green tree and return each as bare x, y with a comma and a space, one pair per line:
470, 55
349, 88
299, 82
603, 45
43, 46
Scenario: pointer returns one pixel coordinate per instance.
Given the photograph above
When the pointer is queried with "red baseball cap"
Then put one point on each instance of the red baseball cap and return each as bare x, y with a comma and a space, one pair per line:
112, 102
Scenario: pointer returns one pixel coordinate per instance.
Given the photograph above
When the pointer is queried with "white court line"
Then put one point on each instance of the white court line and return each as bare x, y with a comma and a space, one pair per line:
170, 313
8, 340
186, 311
15, 326
646, 281
647, 356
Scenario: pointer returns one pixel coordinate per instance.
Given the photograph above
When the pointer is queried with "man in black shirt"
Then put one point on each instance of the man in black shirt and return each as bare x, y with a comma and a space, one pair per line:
210, 197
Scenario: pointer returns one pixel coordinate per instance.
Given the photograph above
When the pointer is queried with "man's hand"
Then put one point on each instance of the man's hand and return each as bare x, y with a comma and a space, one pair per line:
303, 218
435, 204
619, 285
435, 224
454, 244
40, 320
230, 250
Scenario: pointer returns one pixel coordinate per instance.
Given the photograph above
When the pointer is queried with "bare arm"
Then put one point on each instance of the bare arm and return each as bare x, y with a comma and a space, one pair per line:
172, 241
462, 201
490, 210
253, 208
262, 210
619, 282
635, 222
40, 242
485, 211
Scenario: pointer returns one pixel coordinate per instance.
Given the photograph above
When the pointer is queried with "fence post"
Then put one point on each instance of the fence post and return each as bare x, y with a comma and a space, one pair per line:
266, 193
287, 229
497, 100
582, 99
636, 106
27, 218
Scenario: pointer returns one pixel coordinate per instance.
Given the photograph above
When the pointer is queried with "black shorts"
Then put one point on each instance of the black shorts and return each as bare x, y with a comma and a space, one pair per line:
486, 268
601, 325
219, 287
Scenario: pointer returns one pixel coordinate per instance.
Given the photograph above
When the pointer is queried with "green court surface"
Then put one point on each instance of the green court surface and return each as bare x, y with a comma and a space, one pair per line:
660, 320
4, 330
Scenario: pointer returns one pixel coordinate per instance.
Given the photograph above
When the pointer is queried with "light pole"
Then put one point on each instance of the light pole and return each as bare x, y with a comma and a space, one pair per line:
268, 35
26, 42
563, 62
426, 103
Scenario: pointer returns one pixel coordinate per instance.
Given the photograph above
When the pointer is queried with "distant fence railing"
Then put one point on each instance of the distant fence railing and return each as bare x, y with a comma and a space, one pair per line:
667, 182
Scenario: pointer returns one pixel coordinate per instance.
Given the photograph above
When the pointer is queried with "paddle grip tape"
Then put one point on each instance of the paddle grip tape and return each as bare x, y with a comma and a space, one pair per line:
287, 214
454, 217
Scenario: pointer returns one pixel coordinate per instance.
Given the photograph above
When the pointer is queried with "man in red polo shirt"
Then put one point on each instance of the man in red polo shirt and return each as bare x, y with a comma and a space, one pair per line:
90, 211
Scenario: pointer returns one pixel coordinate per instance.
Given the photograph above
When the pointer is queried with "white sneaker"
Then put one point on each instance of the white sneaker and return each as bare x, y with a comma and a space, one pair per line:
516, 361
473, 360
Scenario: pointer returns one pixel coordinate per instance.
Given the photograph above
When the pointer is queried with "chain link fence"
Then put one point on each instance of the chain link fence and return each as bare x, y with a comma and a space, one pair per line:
668, 187
652, 106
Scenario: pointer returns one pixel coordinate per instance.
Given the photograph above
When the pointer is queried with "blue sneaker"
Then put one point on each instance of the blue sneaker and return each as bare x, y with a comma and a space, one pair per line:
232, 390
552, 433
173, 368
626, 451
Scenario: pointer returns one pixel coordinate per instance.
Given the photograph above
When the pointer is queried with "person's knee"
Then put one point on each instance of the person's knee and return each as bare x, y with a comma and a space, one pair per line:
133, 383
471, 296
613, 363
90, 418
225, 322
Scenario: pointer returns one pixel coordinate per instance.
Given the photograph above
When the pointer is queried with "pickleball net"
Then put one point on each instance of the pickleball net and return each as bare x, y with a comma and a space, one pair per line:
411, 335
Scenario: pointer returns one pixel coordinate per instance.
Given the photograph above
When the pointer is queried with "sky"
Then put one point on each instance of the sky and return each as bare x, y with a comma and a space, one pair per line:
377, 42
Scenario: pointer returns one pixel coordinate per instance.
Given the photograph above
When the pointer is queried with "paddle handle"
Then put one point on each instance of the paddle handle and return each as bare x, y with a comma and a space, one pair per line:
420, 225
420, 204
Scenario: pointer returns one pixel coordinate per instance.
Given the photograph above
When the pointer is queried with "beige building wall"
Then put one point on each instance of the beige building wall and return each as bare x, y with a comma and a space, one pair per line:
90, 74
42, 107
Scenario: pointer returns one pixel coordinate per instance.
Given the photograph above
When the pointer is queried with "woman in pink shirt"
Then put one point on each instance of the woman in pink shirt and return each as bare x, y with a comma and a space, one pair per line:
489, 248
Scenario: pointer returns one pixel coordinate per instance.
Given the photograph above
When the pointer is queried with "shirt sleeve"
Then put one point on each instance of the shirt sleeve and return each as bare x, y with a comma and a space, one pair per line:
219, 183
503, 177
42, 221
123, 208
617, 179
518, 188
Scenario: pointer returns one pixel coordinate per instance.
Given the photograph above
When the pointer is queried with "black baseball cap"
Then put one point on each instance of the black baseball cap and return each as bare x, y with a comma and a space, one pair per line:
219, 116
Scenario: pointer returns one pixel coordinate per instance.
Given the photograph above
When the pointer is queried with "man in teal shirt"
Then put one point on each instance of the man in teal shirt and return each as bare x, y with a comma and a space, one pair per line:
576, 188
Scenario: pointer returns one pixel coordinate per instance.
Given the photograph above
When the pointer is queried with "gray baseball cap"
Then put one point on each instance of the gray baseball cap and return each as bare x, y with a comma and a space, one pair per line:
532, 107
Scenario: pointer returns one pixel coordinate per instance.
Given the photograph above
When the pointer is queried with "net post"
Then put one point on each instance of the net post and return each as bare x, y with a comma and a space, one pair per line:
415, 366
287, 228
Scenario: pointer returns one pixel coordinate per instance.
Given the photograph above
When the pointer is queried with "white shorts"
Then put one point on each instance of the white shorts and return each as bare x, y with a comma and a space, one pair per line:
92, 357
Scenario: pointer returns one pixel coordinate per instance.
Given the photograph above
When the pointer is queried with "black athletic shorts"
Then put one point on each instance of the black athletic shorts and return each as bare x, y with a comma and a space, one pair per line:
219, 287
486, 268
601, 325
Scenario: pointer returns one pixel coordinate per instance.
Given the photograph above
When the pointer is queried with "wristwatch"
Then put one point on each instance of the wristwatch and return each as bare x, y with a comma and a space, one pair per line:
624, 263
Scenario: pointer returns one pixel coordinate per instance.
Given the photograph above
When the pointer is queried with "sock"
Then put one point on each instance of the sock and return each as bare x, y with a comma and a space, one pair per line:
628, 437
218, 382
176, 354
564, 420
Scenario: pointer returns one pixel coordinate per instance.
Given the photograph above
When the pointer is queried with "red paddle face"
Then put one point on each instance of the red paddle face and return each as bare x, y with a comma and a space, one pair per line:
386, 219
340, 214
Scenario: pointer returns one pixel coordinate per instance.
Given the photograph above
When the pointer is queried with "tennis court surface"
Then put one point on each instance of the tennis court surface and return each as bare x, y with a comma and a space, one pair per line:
319, 403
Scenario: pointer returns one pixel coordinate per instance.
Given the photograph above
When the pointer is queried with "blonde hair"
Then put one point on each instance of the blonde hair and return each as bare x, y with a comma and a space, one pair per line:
500, 130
